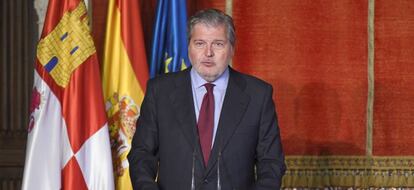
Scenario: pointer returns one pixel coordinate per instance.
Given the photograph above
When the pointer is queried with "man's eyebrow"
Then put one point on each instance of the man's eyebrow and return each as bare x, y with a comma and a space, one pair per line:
213, 40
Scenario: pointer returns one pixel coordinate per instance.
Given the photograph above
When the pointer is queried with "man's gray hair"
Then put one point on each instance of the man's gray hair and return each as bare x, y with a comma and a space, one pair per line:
212, 17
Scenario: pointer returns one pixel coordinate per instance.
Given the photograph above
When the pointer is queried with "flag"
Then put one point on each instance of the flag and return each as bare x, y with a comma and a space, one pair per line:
125, 73
68, 141
169, 44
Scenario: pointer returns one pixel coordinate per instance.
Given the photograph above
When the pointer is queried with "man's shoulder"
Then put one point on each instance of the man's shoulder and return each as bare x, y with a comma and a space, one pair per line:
168, 79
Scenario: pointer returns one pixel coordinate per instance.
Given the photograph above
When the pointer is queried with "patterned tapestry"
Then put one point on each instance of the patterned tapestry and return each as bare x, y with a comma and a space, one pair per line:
343, 73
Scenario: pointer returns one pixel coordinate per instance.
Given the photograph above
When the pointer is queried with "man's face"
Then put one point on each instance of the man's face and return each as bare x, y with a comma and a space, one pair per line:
209, 50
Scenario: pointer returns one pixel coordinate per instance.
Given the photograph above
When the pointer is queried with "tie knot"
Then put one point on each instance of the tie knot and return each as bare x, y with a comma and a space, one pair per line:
209, 87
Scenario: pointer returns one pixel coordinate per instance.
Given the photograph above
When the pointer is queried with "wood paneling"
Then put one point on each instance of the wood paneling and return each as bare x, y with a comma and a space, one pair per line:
18, 36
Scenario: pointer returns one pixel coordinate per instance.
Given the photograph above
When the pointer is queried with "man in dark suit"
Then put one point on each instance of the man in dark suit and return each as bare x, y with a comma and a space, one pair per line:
208, 127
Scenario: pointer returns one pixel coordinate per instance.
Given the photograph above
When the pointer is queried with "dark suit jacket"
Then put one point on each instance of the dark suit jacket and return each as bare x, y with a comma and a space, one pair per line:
166, 143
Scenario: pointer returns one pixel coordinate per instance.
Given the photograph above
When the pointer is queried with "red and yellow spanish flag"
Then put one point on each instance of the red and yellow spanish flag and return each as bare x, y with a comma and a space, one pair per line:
68, 143
125, 73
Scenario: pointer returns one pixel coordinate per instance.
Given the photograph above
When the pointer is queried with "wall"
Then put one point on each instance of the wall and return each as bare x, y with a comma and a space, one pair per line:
17, 40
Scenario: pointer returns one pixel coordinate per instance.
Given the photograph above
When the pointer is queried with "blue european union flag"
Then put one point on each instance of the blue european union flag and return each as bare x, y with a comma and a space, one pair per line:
169, 44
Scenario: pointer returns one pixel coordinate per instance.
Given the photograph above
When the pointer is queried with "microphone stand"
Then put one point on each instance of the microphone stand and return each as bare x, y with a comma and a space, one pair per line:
192, 172
218, 165
218, 171
196, 141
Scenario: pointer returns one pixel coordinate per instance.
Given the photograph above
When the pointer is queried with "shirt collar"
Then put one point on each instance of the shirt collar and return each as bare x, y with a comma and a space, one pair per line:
220, 82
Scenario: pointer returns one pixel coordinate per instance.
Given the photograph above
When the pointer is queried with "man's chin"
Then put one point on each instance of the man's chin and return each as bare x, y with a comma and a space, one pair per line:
209, 77
208, 74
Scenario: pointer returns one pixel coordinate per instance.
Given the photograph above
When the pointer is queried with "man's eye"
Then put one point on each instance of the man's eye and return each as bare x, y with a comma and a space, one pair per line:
199, 44
218, 45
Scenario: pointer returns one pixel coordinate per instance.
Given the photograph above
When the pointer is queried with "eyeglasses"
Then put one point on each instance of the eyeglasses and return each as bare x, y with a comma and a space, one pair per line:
215, 45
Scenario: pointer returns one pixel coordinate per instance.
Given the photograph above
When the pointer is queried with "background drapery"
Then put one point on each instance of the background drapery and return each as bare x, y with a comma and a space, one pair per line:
343, 74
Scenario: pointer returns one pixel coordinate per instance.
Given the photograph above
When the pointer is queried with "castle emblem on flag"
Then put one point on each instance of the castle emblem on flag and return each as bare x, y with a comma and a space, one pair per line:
67, 46
122, 114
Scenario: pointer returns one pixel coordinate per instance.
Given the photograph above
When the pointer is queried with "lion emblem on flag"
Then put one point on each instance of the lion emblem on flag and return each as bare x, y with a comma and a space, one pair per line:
34, 106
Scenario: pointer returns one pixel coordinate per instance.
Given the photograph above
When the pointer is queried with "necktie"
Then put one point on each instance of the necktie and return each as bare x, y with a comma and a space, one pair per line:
206, 122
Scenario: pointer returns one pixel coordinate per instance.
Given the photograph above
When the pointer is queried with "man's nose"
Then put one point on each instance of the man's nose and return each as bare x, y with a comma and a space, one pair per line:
209, 51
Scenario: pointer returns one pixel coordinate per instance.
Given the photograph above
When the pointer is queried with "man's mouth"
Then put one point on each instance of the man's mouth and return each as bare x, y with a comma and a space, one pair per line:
208, 63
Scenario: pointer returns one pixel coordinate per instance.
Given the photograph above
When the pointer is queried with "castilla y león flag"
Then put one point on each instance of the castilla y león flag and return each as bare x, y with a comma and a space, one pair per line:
68, 141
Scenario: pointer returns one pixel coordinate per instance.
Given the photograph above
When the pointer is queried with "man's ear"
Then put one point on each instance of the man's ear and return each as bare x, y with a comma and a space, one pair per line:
232, 50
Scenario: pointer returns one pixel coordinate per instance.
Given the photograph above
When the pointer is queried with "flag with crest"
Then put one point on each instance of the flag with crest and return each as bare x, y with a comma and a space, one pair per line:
68, 141
124, 76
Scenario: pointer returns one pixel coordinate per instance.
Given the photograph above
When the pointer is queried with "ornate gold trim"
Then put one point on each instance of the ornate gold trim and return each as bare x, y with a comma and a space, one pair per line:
349, 171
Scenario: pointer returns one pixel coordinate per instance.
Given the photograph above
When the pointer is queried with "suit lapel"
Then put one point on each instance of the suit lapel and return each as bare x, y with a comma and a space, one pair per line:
183, 103
234, 107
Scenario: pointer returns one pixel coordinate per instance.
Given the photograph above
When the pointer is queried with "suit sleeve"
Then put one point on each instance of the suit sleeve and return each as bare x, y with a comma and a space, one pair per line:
270, 164
143, 158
